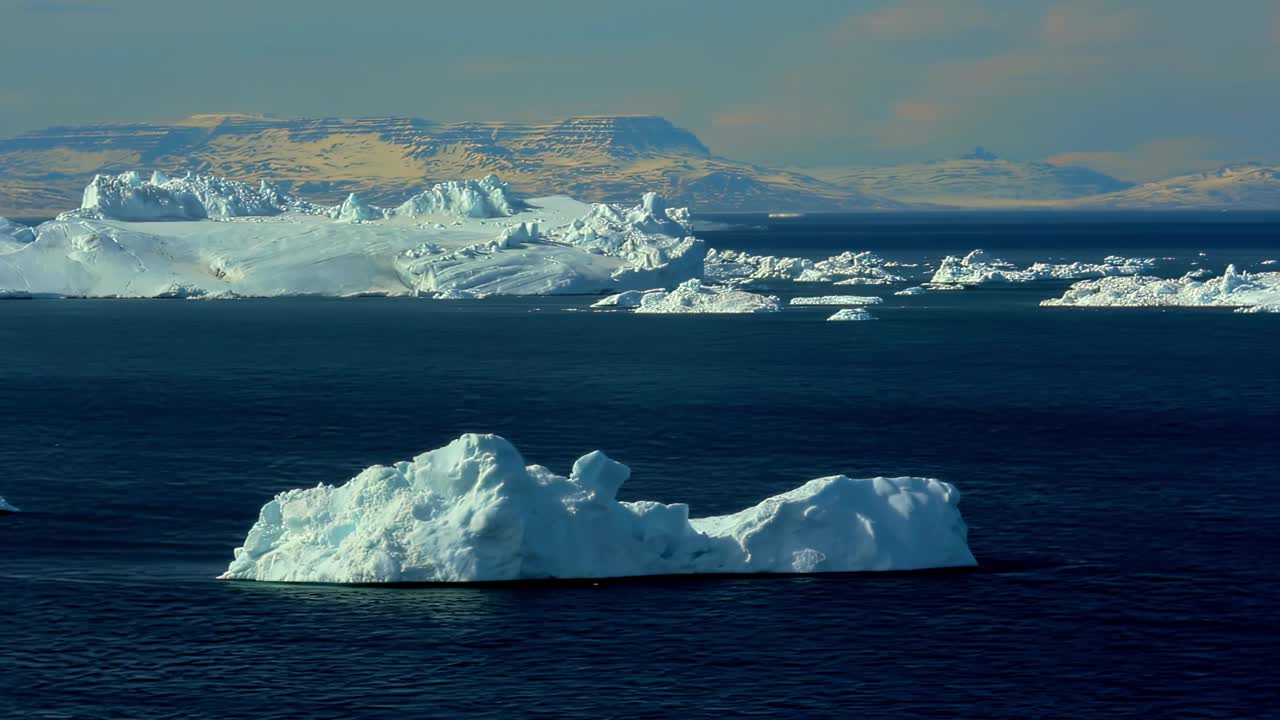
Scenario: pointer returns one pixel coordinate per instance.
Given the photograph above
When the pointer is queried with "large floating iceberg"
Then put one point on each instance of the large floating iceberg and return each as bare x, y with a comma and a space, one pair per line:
976, 268
159, 238
692, 296
473, 511
1232, 289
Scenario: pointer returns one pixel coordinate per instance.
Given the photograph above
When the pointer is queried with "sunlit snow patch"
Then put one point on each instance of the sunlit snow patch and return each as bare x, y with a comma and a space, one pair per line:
472, 511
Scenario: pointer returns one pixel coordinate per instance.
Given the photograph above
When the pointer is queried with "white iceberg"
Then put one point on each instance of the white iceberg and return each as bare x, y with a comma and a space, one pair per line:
552, 245
473, 511
6, 508
912, 291
976, 268
838, 300
848, 268
1259, 309
1232, 289
692, 296
851, 314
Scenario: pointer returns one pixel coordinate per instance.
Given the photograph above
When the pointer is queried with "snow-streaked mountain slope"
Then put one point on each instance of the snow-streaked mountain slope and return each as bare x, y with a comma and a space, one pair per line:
386, 160
979, 179
1234, 187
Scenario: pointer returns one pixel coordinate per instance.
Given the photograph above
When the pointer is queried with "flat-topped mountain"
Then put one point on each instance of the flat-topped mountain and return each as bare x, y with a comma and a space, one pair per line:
600, 158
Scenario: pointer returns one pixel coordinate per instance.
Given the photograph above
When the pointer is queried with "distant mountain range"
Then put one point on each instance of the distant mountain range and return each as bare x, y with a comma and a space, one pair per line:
1241, 187
977, 179
597, 158
386, 160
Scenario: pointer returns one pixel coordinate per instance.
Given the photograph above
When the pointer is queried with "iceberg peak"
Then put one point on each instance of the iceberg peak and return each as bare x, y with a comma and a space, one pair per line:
195, 197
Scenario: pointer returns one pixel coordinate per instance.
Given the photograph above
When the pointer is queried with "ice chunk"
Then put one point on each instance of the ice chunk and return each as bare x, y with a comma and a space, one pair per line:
628, 299
473, 511
911, 291
692, 296
848, 268
355, 209
6, 508
1232, 289
838, 300
852, 314
977, 267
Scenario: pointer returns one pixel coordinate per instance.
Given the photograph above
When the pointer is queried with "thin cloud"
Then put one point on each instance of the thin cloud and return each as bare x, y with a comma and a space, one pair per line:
737, 119
914, 20
65, 7
1090, 23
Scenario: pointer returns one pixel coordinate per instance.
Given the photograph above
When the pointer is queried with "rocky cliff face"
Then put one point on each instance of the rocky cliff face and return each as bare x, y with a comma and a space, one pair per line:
386, 160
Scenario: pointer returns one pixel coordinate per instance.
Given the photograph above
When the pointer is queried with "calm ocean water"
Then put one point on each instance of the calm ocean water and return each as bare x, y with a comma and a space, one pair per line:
1119, 471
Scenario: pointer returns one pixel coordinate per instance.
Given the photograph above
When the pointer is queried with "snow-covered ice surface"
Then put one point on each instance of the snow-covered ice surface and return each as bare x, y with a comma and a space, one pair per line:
264, 244
1257, 309
838, 300
1232, 289
692, 296
976, 268
473, 511
13, 236
6, 507
851, 314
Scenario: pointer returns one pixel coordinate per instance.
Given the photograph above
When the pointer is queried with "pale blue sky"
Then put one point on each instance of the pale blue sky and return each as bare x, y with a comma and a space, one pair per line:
1140, 88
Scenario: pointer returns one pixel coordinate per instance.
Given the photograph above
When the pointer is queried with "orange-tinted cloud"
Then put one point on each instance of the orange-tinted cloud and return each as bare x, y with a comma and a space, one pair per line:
1089, 23
918, 111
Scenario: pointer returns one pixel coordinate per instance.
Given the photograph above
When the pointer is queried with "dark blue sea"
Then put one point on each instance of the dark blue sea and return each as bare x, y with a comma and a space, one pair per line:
1120, 471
